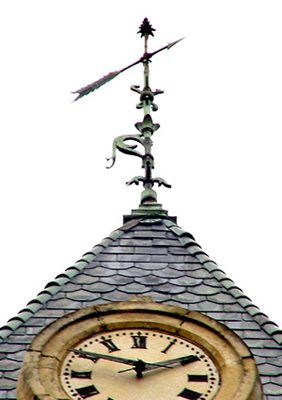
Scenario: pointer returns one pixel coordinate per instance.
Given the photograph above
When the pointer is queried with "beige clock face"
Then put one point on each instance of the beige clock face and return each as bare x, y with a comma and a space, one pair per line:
141, 364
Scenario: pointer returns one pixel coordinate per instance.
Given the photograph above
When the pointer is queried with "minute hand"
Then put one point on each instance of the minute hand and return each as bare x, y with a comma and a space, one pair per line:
96, 356
180, 360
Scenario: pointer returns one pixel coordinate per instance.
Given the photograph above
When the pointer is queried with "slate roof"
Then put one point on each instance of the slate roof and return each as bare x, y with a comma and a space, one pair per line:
154, 257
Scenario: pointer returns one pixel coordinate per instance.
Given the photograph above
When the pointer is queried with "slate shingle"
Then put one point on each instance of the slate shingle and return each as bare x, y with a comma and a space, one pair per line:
158, 259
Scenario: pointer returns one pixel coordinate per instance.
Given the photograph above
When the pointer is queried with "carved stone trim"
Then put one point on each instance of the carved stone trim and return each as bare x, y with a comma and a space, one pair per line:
39, 377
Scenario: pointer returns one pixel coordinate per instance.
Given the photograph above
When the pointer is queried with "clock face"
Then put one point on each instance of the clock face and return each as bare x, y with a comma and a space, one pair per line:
141, 364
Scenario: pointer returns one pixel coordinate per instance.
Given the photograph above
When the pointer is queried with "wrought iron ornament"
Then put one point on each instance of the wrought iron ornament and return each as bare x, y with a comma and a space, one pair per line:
146, 128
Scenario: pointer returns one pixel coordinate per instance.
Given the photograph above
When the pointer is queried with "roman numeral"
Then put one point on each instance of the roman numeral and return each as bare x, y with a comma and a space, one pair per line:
110, 345
198, 378
87, 391
139, 342
81, 375
190, 394
169, 346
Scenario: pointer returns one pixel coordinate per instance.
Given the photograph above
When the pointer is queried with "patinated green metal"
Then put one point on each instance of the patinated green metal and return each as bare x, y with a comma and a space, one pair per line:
146, 128
131, 144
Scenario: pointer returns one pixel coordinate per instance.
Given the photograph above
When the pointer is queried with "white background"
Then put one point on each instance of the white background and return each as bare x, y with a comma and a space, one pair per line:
219, 143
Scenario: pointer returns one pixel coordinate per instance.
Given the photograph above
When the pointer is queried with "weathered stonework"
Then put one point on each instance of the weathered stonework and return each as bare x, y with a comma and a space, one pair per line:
40, 373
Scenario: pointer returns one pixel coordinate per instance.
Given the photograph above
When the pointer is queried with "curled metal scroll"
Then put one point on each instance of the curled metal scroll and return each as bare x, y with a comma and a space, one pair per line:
120, 144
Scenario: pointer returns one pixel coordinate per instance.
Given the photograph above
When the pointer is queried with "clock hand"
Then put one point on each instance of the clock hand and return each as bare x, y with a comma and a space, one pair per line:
143, 366
97, 356
139, 366
180, 360
147, 366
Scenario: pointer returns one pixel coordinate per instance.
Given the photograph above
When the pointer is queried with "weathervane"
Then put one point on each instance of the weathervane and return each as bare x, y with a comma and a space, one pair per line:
146, 127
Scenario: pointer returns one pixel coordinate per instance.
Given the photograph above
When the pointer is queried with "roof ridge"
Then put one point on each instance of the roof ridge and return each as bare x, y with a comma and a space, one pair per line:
55, 285
188, 241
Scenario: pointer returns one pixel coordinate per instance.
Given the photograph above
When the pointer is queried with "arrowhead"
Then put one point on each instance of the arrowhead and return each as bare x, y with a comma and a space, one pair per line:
169, 46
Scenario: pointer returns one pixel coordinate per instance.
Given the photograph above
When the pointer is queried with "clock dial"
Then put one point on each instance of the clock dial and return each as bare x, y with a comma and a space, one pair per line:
138, 363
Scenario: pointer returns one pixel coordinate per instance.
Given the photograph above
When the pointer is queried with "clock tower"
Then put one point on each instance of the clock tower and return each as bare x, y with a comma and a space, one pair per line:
145, 314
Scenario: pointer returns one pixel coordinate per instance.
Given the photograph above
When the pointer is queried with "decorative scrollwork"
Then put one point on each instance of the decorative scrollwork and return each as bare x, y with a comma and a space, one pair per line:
159, 181
146, 97
120, 144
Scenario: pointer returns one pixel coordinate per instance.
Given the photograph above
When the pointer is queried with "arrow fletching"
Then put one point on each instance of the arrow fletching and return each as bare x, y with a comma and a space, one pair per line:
95, 85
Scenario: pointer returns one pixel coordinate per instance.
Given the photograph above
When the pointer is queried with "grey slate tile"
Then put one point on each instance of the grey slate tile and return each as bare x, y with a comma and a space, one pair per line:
113, 266
265, 352
177, 251
169, 289
12, 348
228, 317
119, 250
212, 282
52, 314
207, 307
267, 369
152, 250
232, 307
65, 304
79, 295
167, 243
277, 379
98, 270
115, 296
223, 298
248, 326
155, 227
156, 266
159, 297
132, 242
135, 258
117, 280
18, 339
18, 355
188, 298
107, 257
135, 271
157, 261
9, 365
172, 258
167, 272
204, 290
186, 267
273, 389
133, 288
187, 281
150, 280
200, 273
100, 287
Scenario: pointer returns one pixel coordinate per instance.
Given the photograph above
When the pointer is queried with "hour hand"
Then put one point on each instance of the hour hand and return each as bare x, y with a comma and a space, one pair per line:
96, 356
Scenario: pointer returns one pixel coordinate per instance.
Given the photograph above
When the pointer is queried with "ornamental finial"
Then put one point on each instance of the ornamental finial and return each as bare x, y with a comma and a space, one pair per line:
146, 29
147, 127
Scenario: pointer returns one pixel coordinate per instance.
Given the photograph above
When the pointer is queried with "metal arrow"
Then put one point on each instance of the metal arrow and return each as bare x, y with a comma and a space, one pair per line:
107, 78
